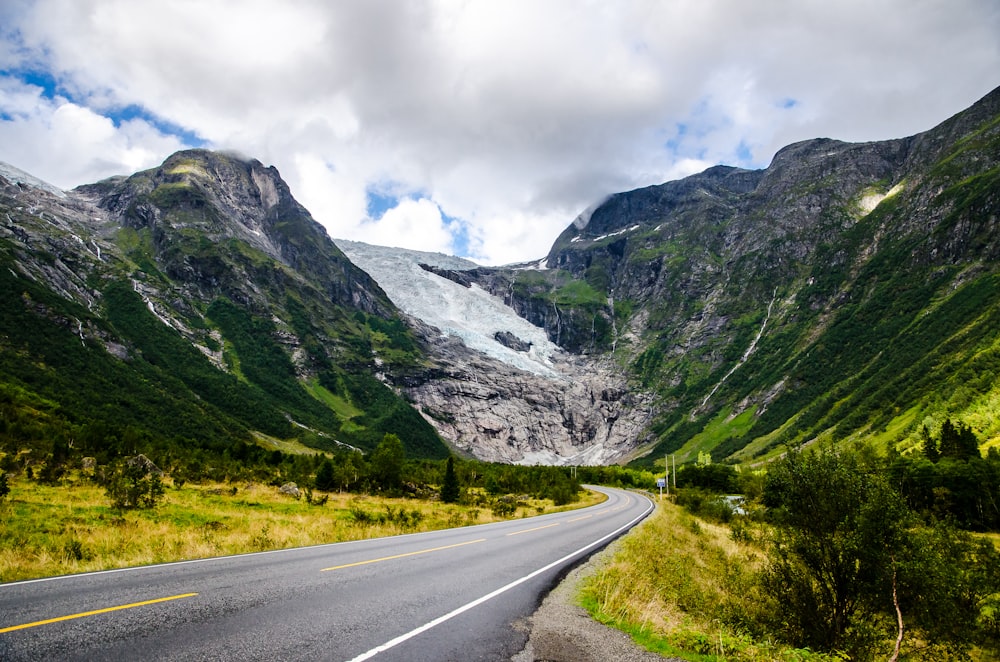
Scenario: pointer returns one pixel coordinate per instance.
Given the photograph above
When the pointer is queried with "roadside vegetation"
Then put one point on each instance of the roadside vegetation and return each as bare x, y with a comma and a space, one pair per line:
75, 526
829, 554
99, 501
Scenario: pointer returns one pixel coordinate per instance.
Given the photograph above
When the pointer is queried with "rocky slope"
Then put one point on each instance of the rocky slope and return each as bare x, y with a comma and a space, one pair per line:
499, 389
846, 290
196, 301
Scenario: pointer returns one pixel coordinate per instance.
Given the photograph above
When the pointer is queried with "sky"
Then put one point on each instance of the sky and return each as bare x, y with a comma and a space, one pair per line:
478, 128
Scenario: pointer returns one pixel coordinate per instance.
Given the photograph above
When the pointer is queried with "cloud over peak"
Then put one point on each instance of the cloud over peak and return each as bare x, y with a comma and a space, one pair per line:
496, 123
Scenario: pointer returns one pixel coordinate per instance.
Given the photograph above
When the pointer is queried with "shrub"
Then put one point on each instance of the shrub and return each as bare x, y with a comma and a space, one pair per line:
131, 485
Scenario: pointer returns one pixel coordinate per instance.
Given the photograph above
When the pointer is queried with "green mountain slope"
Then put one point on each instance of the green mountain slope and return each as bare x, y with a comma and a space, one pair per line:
847, 290
193, 304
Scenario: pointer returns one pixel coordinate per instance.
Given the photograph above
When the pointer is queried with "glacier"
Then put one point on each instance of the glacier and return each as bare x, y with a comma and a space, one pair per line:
468, 313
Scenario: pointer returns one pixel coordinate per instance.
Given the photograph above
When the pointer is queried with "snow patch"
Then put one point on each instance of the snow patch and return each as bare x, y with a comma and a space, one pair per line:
18, 176
605, 236
468, 313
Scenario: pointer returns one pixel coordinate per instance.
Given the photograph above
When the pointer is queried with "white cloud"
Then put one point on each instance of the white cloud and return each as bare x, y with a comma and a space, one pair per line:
510, 116
66, 144
416, 224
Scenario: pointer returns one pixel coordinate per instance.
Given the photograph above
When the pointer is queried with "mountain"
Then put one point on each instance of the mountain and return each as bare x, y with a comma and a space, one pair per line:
496, 387
846, 291
197, 305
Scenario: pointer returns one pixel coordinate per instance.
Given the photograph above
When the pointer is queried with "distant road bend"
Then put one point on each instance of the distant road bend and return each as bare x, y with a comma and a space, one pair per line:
457, 594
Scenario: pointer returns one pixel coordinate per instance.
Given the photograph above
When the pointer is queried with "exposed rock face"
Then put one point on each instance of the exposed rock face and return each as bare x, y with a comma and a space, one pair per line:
785, 292
498, 389
219, 197
587, 415
508, 339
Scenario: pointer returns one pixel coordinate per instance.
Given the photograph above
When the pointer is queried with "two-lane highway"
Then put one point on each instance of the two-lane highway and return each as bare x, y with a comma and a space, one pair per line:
446, 595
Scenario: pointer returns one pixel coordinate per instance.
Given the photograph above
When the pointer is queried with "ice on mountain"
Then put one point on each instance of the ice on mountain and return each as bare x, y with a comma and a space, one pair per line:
18, 176
468, 313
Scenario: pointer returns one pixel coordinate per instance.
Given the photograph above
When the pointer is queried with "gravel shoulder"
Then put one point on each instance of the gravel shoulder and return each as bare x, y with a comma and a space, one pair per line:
562, 631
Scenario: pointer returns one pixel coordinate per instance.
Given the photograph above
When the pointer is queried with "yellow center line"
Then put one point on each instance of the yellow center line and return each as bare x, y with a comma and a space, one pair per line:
399, 556
577, 519
95, 612
537, 528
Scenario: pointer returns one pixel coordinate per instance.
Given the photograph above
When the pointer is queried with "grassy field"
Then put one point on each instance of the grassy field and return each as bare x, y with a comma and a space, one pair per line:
685, 587
675, 582
47, 531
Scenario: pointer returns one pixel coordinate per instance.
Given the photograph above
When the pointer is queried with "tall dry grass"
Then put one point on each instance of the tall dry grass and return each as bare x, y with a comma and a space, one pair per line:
682, 586
47, 531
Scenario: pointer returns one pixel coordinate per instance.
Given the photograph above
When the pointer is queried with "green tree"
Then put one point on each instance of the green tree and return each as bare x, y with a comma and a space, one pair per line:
850, 570
133, 484
948, 587
958, 442
929, 445
386, 463
839, 527
324, 476
450, 489
4, 485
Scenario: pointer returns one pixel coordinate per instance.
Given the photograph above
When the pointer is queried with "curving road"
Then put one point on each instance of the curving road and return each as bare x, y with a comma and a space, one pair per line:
457, 594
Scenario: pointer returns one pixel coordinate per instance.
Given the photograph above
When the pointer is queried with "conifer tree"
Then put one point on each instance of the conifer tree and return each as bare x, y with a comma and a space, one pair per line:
324, 476
450, 489
958, 442
929, 445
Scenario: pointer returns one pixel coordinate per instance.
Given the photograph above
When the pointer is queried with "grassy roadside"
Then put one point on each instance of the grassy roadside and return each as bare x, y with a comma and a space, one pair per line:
676, 584
47, 531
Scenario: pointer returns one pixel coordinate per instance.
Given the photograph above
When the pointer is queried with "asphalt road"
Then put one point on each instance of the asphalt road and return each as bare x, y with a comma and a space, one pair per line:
458, 594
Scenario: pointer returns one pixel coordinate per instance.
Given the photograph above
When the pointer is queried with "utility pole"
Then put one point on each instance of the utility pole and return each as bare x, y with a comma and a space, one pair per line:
666, 473
675, 471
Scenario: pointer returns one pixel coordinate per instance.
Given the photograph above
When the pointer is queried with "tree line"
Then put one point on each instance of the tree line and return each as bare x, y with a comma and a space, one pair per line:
109, 456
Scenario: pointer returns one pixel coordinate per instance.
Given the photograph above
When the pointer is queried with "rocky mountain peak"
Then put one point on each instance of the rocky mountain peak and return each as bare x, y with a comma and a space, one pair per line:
847, 290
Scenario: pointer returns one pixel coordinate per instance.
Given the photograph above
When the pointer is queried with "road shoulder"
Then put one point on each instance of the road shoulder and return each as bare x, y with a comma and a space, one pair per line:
562, 631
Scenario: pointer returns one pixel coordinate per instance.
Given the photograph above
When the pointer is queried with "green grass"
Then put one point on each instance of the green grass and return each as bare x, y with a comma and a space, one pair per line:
679, 586
723, 426
54, 530
344, 409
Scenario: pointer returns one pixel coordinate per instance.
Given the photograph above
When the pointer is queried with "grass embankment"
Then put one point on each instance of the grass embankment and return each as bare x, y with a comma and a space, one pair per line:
677, 583
47, 531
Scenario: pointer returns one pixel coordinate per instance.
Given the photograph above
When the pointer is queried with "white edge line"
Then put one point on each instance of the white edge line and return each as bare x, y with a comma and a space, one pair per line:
489, 596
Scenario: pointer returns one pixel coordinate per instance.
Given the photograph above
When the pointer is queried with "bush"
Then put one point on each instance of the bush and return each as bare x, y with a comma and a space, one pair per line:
504, 507
847, 561
131, 485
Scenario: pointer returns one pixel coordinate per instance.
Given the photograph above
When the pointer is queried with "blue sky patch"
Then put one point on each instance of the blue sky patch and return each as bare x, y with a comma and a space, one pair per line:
378, 203
459, 230
134, 112
52, 88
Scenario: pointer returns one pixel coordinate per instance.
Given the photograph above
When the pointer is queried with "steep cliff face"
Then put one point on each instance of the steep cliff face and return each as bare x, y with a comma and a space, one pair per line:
198, 200
495, 386
198, 300
756, 304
